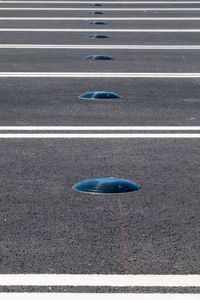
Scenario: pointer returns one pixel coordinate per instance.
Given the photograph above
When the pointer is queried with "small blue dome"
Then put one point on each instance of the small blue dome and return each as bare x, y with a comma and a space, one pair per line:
98, 36
106, 185
100, 57
95, 4
99, 95
97, 23
95, 13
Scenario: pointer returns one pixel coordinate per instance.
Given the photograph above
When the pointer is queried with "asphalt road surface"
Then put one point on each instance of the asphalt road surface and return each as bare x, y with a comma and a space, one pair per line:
48, 228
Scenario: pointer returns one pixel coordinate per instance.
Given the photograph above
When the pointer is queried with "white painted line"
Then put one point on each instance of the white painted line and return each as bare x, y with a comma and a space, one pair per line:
93, 30
99, 136
106, 2
97, 296
102, 9
99, 279
100, 75
124, 47
100, 18
103, 128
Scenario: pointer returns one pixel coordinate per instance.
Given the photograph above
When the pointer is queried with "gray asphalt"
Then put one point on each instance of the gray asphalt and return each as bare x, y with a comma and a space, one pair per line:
46, 227
111, 24
115, 38
106, 5
111, 13
56, 102
66, 60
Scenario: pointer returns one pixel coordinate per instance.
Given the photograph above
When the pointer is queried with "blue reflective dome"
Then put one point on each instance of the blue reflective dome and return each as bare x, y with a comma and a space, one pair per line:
97, 36
98, 57
95, 4
106, 185
95, 13
99, 95
97, 23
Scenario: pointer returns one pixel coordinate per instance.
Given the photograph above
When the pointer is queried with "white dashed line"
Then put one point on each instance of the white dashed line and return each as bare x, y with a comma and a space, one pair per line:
99, 280
102, 9
94, 30
101, 18
99, 136
100, 75
99, 128
107, 2
124, 47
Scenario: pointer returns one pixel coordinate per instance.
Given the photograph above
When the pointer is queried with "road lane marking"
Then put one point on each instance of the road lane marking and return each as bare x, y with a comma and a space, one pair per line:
124, 47
97, 296
99, 75
102, 9
102, 18
99, 136
97, 128
93, 30
106, 2
99, 280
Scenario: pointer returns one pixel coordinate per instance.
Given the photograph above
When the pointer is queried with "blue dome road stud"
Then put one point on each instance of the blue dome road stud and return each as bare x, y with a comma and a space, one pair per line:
106, 185
99, 95
97, 23
94, 4
95, 13
98, 57
98, 36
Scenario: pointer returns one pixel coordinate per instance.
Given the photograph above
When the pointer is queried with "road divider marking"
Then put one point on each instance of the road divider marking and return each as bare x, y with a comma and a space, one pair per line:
99, 136
102, 9
100, 18
94, 30
100, 75
99, 128
105, 2
99, 280
124, 47
97, 296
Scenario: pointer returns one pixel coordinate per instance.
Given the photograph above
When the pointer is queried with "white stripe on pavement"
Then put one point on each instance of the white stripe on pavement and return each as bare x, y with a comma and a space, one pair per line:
94, 30
99, 136
124, 47
99, 75
99, 279
102, 9
97, 128
101, 18
97, 296
106, 2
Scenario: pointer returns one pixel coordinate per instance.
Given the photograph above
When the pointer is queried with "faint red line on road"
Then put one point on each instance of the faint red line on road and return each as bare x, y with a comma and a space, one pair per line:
123, 234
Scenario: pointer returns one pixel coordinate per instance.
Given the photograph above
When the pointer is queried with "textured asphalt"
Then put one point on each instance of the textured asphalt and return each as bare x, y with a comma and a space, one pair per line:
46, 227
55, 101
115, 38
111, 24
68, 60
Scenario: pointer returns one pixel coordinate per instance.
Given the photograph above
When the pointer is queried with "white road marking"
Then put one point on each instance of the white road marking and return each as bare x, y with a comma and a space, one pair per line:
102, 9
99, 280
124, 47
97, 296
100, 75
103, 128
99, 136
101, 18
94, 30
106, 2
